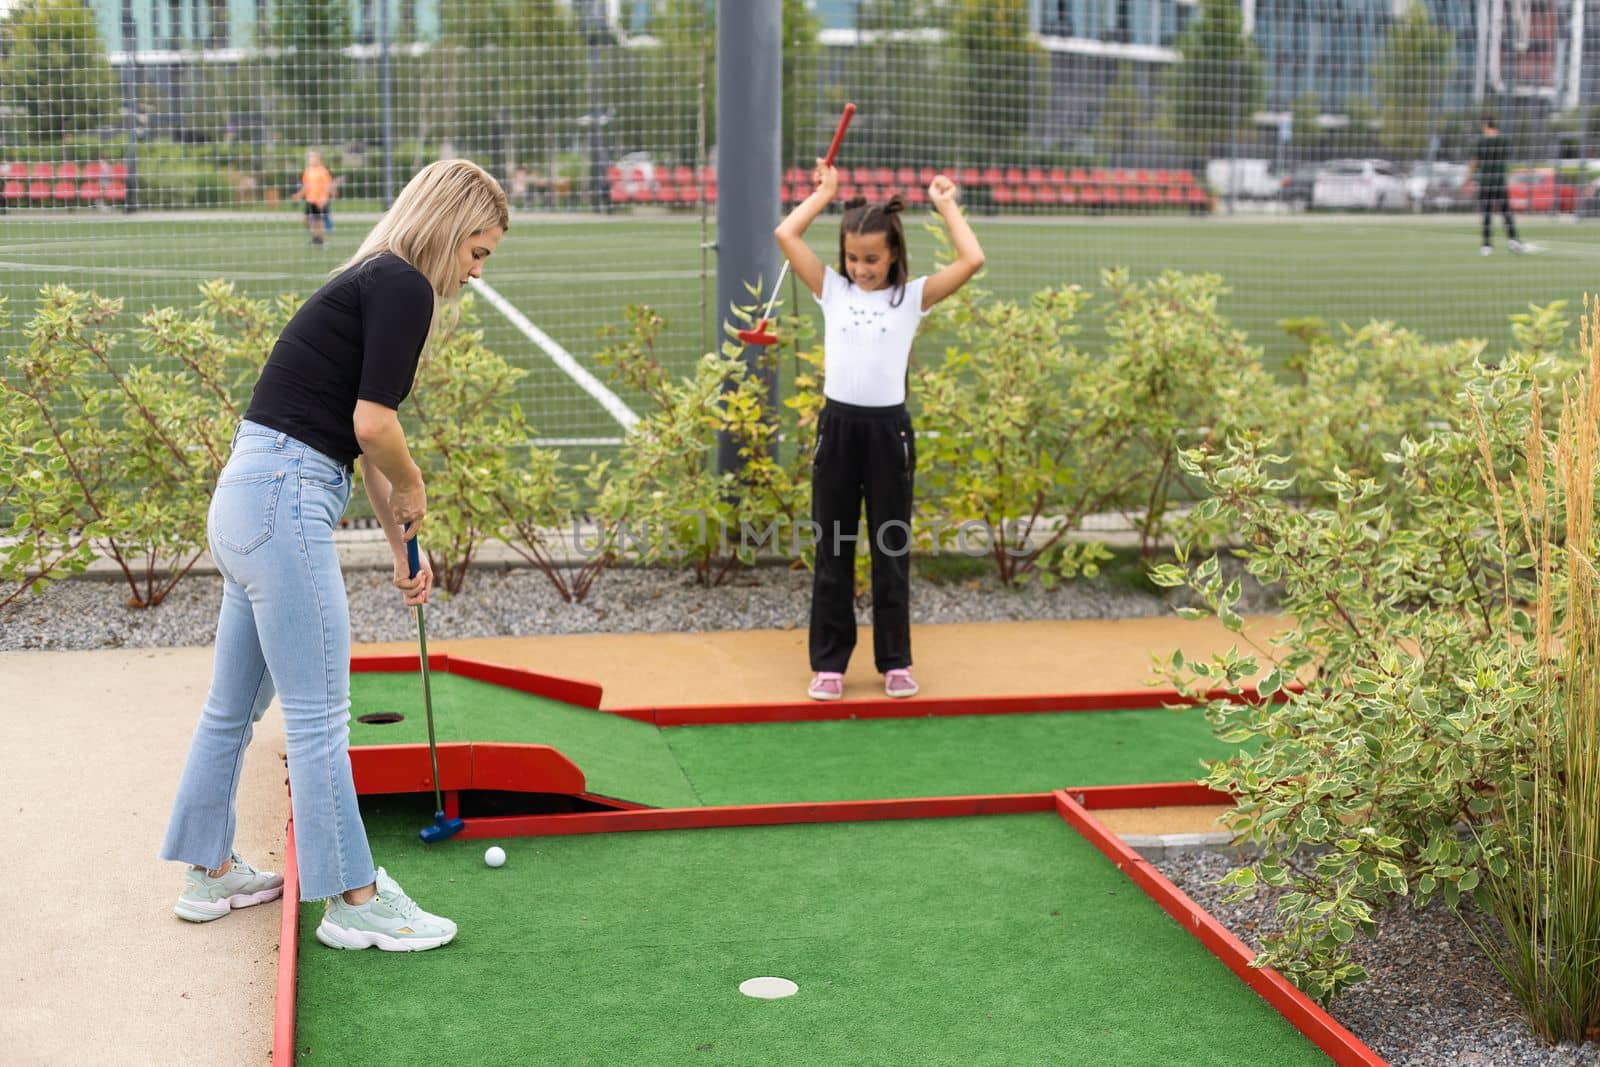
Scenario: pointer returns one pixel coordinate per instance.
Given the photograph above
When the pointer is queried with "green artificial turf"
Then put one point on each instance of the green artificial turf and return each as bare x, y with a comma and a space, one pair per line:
787, 762
993, 940
941, 755
619, 757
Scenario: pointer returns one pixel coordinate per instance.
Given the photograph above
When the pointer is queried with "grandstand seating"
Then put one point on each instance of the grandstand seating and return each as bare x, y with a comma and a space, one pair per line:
1003, 189
63, 184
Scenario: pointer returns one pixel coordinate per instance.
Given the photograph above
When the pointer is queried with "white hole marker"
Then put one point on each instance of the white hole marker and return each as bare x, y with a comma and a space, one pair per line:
768, 988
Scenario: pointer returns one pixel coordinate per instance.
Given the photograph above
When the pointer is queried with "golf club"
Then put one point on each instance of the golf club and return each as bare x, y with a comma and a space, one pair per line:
442, 828
762, 336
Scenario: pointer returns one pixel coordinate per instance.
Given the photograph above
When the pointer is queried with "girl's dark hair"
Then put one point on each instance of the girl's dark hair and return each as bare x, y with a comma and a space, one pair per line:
862, 217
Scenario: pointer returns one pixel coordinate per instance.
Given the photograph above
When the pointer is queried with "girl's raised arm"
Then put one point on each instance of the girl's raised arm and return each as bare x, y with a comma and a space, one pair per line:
791, 232
969, 254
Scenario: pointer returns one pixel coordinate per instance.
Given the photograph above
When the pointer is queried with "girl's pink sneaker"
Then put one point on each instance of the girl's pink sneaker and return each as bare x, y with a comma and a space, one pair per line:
826, 685
899, 683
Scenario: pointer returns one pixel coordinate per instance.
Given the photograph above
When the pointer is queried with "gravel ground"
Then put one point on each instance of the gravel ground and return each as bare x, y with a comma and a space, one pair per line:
90, 613
1432, 1000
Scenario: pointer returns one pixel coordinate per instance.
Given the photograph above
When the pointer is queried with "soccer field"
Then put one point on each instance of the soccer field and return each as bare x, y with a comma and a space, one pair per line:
570, 276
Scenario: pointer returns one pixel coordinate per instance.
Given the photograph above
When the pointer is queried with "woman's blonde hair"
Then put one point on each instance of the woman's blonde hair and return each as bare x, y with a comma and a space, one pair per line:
444, 204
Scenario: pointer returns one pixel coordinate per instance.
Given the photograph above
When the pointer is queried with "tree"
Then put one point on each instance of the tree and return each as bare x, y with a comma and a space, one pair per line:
514, 74
309, 36
1212, 92
57, 79
658, 106
996, 59
1305, 122
1121, 117
799, 83
1411, 76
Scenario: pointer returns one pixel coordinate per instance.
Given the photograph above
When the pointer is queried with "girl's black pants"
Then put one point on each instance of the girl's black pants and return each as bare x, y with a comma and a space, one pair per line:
862, 454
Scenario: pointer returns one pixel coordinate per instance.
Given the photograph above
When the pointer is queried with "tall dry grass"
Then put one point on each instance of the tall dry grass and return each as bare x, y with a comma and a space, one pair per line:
1544, 898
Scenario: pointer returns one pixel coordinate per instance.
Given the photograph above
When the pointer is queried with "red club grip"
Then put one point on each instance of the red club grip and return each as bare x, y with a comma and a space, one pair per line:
838, 135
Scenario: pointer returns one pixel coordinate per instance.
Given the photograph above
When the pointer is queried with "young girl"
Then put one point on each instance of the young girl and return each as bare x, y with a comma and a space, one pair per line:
327, 397
865, 447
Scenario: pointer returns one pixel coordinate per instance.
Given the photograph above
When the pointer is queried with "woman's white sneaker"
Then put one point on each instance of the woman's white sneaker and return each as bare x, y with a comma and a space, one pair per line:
390, 921
205, 898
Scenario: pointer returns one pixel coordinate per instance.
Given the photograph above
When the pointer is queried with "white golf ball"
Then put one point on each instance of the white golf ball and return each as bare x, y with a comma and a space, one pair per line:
495, 856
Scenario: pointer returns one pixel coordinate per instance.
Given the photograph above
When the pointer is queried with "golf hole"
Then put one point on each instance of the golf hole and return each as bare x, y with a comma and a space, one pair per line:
381, 718
768, 988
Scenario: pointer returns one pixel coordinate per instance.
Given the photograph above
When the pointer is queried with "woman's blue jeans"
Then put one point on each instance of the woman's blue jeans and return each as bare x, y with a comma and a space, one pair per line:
284, 626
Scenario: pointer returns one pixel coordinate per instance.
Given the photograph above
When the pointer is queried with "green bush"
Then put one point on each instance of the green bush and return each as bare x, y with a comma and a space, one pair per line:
662, 500
1027, 435
107, 458
1409, 631
472, 445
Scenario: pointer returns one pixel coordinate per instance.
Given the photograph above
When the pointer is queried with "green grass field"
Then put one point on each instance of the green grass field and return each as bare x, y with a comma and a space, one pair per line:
573, 275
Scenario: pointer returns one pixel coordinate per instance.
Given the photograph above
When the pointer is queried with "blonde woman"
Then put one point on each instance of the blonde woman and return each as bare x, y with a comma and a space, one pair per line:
326, 399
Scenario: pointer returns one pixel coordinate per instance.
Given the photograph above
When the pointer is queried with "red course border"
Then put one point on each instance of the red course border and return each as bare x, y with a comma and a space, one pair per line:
1073, 806
539, 768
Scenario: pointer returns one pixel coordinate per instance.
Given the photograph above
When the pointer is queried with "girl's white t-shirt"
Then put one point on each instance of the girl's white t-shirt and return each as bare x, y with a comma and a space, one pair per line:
867, 340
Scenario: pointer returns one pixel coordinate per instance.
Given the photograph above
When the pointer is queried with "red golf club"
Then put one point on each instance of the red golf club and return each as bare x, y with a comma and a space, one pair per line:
761, 335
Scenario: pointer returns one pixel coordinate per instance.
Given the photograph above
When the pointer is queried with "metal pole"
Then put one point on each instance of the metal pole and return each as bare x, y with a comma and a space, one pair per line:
1233, 142
749, 95
384, 95
130, 104
596, 29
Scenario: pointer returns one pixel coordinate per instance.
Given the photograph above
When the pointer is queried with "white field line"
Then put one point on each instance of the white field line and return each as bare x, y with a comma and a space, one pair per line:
560, 357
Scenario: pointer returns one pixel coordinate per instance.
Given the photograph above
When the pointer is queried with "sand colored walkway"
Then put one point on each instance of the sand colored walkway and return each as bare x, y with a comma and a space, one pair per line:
769, 666
95, 968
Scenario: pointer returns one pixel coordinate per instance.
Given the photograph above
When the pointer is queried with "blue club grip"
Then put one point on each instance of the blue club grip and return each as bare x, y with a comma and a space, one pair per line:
413, 558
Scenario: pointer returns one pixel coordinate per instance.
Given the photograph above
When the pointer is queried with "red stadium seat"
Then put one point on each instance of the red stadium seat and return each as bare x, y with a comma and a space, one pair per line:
992, 176
1079, 175
619, 191
915, 195
926, 175
1003, 196
968, 176
906, 179
1047, 196
1089, 195
14, 176
883, 176
1175, 196
1057, 177
861, 175
613, 173
65, 189
1183, 177
39, 178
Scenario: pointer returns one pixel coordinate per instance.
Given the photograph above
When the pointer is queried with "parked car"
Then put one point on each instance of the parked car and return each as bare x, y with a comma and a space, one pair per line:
1540, 189
1369, 184
1297, 185
1438, 187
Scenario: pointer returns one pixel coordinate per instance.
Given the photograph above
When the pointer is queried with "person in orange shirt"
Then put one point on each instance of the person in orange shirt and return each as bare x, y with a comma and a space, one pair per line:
316, 189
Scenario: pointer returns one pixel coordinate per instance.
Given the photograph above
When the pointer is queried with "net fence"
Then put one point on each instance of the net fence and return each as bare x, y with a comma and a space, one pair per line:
1312, 152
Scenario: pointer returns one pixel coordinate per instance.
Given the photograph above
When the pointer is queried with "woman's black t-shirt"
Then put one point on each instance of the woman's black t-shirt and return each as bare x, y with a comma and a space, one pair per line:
358, 338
